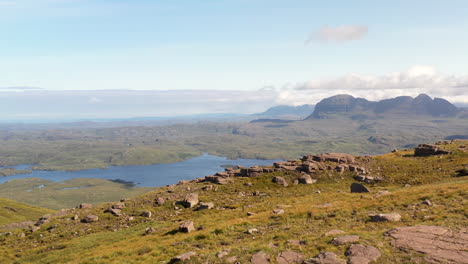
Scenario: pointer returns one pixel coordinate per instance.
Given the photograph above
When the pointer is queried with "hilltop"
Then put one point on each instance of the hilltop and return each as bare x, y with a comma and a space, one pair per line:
360, 108
330, 207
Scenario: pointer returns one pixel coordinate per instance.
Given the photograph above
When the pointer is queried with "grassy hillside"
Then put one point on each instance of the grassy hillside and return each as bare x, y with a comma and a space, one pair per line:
12, 212
310, 212
67, 194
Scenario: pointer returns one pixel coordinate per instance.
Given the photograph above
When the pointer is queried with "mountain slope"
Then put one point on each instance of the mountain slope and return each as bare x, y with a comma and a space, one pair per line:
286, 112
253, 214
399, 106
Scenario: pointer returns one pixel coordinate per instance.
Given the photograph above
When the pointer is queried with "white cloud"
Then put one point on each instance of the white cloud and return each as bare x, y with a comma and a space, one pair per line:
416, 80
339, 33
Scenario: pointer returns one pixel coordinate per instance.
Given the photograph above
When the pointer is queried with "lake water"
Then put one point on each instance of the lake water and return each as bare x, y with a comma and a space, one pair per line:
145, 175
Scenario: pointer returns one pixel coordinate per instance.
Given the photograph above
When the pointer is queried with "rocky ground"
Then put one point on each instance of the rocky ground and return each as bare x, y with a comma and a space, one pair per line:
407, 206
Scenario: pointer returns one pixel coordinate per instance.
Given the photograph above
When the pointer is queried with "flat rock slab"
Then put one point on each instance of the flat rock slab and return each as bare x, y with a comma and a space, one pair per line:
325, 258
439, 243
260, 258
343, 240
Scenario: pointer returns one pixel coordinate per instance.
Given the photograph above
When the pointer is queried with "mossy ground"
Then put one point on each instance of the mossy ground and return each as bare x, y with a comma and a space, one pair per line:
308, 215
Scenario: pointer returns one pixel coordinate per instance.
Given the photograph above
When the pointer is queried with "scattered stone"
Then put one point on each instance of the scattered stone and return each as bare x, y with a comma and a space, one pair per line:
427, 202
394, 150
146, 214
35, 228
248, 184
160, 201
260, 258
205, 206
43, 220
149, 230
187, 227
75, 217
358, 188
439, 243
131, 218
368, 179
232, 259
223, 253
297, 242
90, 219
278, 211
288, 257
342, 240
256, 193
252, 230
359, 254
325, 258
391, 217
381, 193
190, 200
208, 187
85, 206
280, 180
334, 232
183, 257
120, 205
250, 213
306, 179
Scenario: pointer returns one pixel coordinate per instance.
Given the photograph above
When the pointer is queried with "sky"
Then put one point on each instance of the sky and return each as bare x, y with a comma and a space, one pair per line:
296, 51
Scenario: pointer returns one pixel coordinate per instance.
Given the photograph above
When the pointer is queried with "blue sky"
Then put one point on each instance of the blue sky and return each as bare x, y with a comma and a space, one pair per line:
321, 47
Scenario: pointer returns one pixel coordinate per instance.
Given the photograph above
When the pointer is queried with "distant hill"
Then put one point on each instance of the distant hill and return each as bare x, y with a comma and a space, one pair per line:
360, 108
286, 112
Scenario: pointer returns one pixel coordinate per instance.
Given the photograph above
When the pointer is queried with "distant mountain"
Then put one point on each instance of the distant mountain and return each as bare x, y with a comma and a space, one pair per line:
360, 108
286, 112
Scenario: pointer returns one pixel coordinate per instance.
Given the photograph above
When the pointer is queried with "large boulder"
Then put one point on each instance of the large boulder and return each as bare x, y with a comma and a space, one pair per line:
187, 227
306, 179
391, 217
289, 257
280, 180
191, 200
358, 188
90, 219
359, 254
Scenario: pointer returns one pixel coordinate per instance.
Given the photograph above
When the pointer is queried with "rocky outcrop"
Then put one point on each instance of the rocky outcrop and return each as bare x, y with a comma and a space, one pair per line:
424, 150
440, 244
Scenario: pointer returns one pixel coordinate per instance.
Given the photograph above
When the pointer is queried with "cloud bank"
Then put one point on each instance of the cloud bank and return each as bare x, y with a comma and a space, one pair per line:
416, 80
339, 34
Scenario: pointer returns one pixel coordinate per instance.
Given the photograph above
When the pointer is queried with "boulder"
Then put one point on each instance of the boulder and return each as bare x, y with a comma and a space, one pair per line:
333, 157
440, 244
35, 228
289, 257
260, 258
85, 206
90, 219
280, 180
205, 206
325, 258
149, 230
343, 240
381, 193
358, 188
223, 253
160, 201
146, 214
359, 254
43, 220
191, 200
391, 217
116, 212
306, 179
187, 227
184, 257
217, 179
